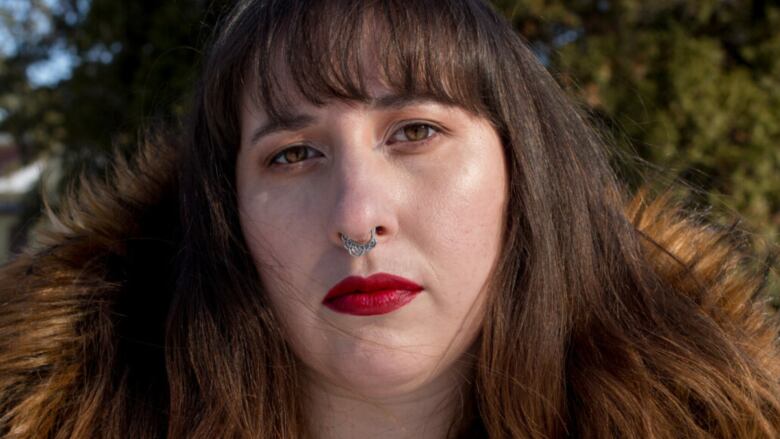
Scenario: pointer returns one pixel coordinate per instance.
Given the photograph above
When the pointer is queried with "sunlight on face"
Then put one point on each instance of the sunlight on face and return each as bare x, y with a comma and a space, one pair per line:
432, 177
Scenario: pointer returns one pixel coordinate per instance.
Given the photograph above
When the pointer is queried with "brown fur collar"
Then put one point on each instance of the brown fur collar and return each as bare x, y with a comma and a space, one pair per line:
93, 272
111, 250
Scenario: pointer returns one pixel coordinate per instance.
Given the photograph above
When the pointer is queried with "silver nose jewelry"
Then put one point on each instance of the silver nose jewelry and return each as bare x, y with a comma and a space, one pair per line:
355, 248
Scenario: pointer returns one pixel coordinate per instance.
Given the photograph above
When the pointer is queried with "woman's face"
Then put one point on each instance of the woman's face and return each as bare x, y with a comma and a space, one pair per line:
430, 177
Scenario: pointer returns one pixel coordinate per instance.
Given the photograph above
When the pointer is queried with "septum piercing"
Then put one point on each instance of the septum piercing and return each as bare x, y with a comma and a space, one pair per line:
355, 248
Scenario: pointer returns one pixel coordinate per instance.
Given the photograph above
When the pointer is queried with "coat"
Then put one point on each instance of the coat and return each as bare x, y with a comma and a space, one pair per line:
108, 254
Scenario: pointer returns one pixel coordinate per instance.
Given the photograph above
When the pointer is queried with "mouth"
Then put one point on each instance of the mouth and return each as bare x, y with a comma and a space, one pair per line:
380, 293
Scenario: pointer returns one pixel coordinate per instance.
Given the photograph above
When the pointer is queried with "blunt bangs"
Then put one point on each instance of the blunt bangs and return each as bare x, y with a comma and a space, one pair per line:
325, 50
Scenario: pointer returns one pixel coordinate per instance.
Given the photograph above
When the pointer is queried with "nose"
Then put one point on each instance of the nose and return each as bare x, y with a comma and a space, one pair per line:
364, 202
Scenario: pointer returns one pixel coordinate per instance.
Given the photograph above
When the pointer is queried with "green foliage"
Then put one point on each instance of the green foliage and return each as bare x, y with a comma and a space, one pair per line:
692, 87
135, 63
134, 66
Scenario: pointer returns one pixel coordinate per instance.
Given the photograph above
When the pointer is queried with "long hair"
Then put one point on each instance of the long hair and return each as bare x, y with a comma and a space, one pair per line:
141, 313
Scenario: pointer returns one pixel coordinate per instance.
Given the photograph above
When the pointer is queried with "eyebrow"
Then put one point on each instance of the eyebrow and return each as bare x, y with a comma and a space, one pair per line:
301, 121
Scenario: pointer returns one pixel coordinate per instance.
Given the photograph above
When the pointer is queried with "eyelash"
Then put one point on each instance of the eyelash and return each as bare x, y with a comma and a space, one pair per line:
432, 130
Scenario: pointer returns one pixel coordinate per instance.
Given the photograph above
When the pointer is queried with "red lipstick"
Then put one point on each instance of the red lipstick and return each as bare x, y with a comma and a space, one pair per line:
380, 293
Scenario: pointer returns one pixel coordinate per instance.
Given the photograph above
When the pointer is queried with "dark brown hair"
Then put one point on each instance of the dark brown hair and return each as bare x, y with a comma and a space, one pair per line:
606, 318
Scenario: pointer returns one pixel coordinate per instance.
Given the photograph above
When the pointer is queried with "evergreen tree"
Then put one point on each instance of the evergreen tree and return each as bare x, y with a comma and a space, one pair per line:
690, 87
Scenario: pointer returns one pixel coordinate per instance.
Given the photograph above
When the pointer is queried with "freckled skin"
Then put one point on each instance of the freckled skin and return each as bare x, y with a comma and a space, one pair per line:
439, 204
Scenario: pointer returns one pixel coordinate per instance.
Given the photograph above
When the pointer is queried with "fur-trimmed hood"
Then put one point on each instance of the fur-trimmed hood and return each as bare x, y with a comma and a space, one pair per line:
94, 270
110, 251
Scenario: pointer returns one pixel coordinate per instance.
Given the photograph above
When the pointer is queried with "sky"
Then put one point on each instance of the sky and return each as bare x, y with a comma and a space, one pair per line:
61, 59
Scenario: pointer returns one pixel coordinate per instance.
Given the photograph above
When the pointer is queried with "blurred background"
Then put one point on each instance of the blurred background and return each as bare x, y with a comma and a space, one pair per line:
688, 91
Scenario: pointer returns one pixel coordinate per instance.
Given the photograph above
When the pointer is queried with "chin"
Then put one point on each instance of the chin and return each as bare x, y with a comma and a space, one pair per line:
386, 374
375, 370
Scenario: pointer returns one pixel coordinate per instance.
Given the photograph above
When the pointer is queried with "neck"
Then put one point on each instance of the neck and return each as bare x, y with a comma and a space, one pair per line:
426, 412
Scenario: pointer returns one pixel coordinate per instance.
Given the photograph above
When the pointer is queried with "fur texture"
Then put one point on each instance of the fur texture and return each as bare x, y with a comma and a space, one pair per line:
82, 311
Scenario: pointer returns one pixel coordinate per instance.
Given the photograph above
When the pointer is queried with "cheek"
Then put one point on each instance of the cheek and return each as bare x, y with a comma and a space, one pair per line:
457, 227
282, 242
461, 219
278, 223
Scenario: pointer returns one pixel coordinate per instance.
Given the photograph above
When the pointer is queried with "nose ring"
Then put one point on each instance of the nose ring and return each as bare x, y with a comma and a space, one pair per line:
355, 248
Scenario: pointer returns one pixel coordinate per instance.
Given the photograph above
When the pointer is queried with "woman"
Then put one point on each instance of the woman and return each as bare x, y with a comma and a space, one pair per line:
386, 220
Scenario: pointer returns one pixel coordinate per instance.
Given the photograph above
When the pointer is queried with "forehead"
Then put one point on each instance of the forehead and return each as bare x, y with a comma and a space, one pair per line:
313, 57
377, 93
284, 87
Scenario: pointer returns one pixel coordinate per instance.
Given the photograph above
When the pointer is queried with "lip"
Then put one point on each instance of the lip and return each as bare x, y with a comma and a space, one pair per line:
380, 293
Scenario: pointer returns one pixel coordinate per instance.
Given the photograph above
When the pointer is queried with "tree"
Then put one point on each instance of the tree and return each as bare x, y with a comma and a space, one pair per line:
129, 66
692, 87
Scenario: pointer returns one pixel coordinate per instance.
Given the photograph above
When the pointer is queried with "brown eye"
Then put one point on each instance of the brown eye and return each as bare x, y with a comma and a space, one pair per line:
414, 132
293, 155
